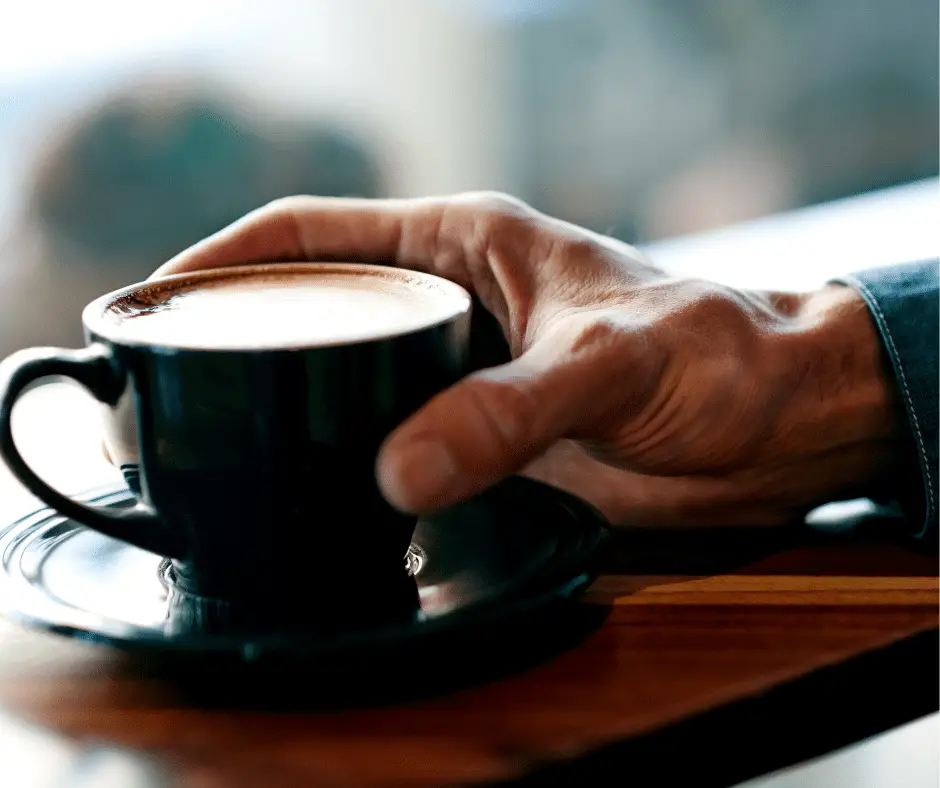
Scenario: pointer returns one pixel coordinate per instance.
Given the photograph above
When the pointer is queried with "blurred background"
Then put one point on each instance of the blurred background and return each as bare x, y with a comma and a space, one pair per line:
128, 131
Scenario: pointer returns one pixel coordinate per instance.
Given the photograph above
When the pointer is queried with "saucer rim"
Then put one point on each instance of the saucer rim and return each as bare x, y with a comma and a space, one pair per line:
563, 581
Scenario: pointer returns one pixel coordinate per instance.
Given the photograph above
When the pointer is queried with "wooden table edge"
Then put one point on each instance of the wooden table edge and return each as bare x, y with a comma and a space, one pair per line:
682, 750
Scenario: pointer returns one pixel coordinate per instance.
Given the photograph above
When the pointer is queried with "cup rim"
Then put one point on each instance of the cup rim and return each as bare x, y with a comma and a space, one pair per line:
97, 325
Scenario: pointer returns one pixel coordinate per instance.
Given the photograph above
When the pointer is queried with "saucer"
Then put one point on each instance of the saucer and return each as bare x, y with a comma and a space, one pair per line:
515, 551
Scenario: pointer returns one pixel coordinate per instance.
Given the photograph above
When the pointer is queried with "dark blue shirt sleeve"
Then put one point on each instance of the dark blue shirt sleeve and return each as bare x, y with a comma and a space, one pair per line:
904, 305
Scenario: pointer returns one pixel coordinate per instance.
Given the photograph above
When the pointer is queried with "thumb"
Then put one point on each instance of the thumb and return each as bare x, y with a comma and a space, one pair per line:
486, 427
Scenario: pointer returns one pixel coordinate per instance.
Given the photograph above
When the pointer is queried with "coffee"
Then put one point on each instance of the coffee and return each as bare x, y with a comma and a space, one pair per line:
278, 308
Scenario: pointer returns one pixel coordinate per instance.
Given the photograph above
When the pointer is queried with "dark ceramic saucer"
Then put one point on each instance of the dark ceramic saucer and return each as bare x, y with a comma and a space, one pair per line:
520, 548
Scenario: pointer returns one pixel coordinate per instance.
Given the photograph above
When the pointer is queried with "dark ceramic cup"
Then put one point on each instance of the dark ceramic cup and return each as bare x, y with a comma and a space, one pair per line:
253, 466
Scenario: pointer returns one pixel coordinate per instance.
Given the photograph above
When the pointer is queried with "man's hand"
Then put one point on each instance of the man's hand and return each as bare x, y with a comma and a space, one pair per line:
661, 400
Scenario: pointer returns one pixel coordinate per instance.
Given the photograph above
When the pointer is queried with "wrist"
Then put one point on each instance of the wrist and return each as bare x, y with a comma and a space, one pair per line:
847, 397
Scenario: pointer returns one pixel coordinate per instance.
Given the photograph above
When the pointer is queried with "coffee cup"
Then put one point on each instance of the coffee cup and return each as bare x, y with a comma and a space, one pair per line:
245, 407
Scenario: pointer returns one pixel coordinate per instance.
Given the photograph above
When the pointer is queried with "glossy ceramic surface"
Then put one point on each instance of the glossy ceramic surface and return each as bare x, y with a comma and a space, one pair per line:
235, 452
513, 550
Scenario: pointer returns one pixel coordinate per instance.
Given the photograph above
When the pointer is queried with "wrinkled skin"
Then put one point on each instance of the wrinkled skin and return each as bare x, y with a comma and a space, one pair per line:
661, 400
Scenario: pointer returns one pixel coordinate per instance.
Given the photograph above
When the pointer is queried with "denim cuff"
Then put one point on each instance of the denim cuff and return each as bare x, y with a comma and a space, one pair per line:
903, 302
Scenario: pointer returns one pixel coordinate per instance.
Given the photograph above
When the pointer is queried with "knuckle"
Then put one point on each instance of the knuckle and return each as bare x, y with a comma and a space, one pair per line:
501, 232
496, 203
283, 211
710, 306
723, 335
499, 226
499, 218
285, 205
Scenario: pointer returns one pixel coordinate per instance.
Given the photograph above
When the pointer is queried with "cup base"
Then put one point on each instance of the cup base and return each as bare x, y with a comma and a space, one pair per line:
297, 599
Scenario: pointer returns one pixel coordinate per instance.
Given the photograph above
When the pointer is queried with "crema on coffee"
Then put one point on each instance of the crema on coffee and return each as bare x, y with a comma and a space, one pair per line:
283, 308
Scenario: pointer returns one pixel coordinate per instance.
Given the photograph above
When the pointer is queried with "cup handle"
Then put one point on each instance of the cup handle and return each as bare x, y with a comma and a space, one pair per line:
94, 368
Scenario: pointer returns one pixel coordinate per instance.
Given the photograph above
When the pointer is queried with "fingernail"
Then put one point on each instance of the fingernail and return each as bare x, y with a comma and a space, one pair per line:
416, 475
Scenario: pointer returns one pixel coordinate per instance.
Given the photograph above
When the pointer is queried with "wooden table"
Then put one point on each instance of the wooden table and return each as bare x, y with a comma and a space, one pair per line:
716, 657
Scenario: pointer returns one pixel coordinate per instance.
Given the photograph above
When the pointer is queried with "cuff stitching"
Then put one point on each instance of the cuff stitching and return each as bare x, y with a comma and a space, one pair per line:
908, 401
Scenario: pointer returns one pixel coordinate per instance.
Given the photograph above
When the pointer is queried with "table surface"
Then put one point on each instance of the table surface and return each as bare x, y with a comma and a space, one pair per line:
742, 652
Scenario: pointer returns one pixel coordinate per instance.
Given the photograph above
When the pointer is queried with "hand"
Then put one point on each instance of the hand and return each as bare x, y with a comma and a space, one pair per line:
661, 400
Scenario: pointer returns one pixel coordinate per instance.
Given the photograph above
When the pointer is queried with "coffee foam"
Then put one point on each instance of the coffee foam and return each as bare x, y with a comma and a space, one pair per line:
291, 307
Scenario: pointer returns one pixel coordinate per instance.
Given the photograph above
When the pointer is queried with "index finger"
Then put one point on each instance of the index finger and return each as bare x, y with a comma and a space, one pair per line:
402, 232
